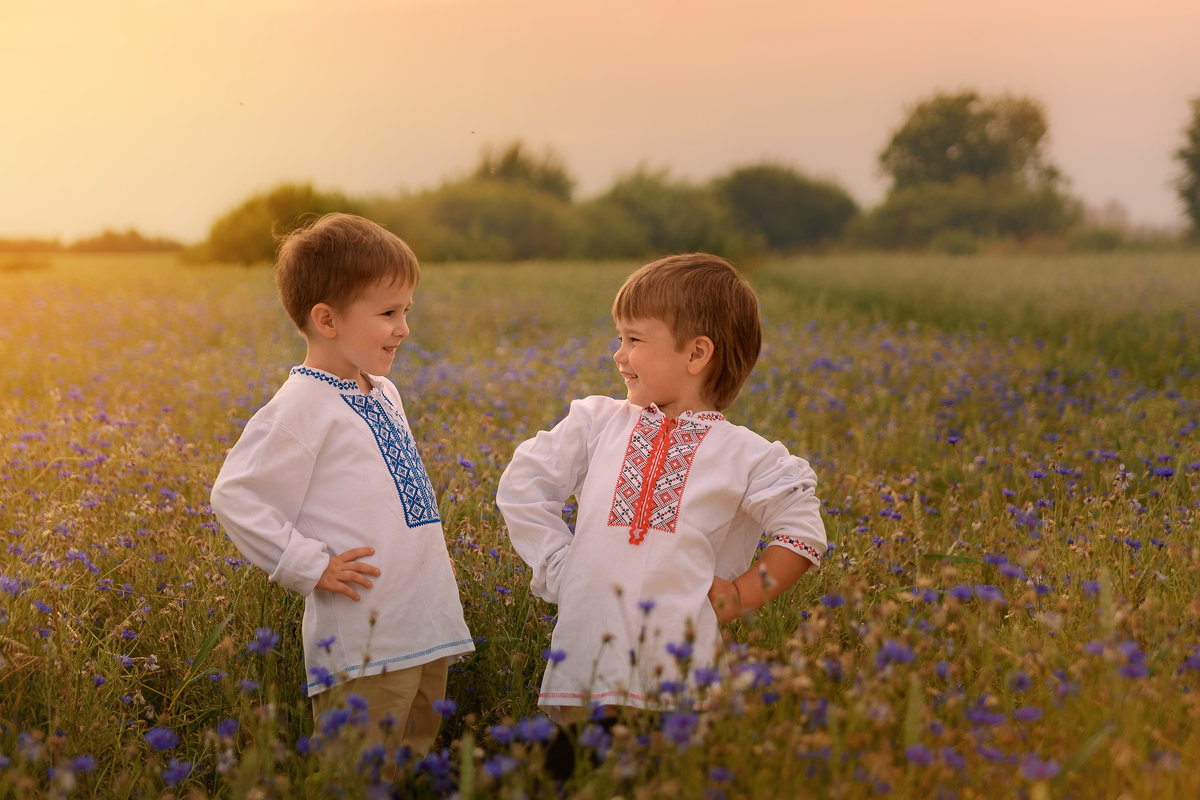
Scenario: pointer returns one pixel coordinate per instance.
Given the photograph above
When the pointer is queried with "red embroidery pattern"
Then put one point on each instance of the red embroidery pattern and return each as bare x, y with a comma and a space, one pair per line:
801, 547
650, 486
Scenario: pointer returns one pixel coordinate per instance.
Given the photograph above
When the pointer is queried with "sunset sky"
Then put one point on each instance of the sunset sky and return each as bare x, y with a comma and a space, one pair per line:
163, 114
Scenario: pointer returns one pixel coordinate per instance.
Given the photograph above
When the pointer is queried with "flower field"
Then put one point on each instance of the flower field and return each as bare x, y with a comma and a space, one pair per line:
1009, 465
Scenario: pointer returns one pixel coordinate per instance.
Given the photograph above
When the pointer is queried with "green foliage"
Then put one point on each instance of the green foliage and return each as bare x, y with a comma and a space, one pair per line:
952, 135
914, 216
516, 165
1187, 184
248, 233
672, 216
784, 208
130, 241
480, 220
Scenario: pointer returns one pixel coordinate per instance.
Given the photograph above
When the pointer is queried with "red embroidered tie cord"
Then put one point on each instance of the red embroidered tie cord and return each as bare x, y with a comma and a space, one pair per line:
658, 456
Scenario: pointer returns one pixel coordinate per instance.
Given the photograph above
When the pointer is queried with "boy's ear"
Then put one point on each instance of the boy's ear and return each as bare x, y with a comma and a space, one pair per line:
701, 353
323, 320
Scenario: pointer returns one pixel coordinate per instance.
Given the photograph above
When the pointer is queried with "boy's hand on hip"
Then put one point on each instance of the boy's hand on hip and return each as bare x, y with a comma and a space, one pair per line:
725, 600
345, 569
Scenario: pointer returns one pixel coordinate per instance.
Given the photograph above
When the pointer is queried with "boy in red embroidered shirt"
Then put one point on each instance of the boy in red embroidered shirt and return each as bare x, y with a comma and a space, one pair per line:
673, 498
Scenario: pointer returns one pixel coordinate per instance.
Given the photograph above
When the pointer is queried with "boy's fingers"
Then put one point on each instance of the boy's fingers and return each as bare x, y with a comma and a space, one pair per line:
355, 553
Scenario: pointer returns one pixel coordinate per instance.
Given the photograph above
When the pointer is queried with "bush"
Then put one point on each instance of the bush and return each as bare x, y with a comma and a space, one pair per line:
248, 233
672, 216
480, 220
998, 209
784, 208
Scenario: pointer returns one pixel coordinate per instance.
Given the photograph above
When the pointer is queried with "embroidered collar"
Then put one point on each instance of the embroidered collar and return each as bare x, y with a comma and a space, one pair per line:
341, 384
701, 416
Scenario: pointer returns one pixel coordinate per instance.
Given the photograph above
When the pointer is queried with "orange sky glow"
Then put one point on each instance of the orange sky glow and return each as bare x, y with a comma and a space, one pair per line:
162, 115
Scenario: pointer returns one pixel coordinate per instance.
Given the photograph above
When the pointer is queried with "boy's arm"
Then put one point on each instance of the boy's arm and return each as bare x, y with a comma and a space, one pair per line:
782, 497
544, 472
258, 494
770, 576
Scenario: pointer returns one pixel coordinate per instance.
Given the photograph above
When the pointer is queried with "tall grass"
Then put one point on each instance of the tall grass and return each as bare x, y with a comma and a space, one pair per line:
1008, 459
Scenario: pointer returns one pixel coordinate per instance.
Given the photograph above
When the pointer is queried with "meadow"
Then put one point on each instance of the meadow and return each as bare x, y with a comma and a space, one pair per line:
1008, 459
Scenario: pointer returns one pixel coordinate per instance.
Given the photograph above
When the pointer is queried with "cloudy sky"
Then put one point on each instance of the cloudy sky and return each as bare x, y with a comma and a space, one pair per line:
163, 114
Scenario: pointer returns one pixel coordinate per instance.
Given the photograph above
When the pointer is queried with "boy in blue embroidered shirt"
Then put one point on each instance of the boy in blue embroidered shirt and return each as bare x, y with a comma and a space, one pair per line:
326, 492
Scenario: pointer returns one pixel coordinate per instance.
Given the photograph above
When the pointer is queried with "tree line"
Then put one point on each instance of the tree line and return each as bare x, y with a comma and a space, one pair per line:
965, 171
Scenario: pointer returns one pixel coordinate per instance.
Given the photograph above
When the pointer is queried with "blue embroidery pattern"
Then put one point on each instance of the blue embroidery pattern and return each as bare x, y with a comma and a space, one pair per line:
325, 377
399, 452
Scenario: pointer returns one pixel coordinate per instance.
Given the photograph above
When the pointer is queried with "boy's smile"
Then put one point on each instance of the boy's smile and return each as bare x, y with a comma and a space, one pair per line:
654, 370
367, 331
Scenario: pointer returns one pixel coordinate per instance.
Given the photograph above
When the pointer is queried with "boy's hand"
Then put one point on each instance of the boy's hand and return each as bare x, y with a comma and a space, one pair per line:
725, 600
345, 569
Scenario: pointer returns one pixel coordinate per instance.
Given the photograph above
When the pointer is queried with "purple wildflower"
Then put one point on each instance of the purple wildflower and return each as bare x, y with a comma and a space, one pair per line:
264, 641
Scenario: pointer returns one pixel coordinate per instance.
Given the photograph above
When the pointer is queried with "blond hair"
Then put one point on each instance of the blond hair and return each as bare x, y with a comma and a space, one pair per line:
334, 258
699, 294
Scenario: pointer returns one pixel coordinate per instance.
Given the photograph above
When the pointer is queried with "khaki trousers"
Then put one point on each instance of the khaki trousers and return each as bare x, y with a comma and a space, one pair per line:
406, 696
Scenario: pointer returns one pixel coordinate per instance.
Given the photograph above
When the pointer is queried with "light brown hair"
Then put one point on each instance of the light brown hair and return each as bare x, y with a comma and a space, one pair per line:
698, 294
334, 258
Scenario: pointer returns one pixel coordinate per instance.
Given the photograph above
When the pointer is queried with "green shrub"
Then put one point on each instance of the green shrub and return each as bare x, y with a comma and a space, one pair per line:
786, 209
247, 234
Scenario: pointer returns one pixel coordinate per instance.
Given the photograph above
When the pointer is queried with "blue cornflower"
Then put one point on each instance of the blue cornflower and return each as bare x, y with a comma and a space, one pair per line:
918, 754
961, 592
679, 651
894, 651
332, 722
322, 676
264, 641
706, 676
678, 726
247, 684
833, 600
537, 728
325, 644
501, 733
446, 707
227, 727
646, 606
989, 593
721, 775
1034, 769
596, 738
176, 771
499, 765
83, 763
554, 656
1027, 714
161, 738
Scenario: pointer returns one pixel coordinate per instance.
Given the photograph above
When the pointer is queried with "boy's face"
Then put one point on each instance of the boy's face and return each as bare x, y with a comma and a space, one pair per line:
370, 329
654, 370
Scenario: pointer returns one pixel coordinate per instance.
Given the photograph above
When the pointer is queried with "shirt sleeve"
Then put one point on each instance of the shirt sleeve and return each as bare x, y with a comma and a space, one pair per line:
782, 496
257, 498
544, 472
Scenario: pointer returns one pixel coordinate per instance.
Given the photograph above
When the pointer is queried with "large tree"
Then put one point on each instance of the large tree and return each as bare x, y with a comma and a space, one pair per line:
950, 135
1188, 182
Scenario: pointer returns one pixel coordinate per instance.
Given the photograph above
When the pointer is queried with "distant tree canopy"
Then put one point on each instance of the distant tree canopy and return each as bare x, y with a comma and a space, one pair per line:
949, 135
966, 167
784, 208
516, 165
129, 241
1188, 182
247, 234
